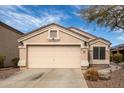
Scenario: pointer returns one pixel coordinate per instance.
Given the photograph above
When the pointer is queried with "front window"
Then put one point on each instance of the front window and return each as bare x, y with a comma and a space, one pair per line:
98, 52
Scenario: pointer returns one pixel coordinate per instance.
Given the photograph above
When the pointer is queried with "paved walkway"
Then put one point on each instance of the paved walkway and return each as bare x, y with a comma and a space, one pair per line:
46, 78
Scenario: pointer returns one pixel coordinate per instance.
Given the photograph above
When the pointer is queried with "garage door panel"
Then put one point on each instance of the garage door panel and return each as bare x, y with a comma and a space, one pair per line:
54, 56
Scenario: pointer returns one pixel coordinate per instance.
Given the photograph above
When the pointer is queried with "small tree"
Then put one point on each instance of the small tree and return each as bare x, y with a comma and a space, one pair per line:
105, 16
118, 57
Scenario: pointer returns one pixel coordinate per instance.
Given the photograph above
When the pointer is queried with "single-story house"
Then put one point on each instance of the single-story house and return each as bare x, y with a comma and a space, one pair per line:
55, 46
8, 43
118, 48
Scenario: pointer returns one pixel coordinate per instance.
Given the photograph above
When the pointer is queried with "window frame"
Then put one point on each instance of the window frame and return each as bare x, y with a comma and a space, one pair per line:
55, 38
99, 53
85, 43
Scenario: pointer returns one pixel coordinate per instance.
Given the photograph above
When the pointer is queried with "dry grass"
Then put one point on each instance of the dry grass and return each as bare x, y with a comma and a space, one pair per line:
91, 74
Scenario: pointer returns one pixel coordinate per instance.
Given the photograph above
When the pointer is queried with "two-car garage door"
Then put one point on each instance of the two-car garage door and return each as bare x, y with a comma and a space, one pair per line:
54, 57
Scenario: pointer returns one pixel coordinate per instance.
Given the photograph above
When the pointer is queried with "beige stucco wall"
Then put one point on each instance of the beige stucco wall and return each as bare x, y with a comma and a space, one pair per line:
8, 44
43, 38
106, 61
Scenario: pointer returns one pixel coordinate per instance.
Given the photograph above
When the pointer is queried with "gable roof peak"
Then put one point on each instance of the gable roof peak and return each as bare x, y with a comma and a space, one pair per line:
41, 27
52, 23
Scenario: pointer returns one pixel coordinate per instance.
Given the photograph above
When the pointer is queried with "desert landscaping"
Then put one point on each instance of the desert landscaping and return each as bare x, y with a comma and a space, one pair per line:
116, 80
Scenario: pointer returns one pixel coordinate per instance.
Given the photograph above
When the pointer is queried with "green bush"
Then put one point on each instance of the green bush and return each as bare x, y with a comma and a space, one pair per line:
118, 58
15, 61
91, 74
2, 59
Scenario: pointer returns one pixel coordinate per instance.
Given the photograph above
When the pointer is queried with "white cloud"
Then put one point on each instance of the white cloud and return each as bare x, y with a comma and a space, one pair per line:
20, 21
76, 14
23, 9
14, 8
53, 16
119, 31
86, 30
77, 7
7, 7
27, 22
121, 36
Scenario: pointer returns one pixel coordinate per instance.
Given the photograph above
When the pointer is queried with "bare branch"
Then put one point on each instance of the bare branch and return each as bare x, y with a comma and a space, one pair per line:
112, 16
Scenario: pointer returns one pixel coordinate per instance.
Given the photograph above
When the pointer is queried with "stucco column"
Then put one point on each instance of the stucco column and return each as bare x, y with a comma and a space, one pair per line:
108, 54
84, 58
22, 56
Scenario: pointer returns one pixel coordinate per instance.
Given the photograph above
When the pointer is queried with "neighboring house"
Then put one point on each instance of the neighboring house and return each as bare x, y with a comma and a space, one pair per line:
8, 43
118, 49
54, 46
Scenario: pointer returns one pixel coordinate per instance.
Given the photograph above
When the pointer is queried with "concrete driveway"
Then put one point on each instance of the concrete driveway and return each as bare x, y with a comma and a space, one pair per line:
46, 78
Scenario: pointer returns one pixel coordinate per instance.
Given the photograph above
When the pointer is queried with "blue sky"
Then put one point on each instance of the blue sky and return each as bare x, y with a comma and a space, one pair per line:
28, 18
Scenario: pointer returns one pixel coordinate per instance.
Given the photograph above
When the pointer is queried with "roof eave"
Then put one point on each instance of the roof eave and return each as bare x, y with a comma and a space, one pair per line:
102, 40
11, 28
20, 39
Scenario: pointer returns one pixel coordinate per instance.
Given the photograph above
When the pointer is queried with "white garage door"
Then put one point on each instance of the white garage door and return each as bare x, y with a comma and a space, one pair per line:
54, 57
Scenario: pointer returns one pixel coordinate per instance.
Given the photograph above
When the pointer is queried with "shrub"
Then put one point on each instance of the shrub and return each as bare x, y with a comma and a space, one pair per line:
91, 74
118, 57
2, 59
111, 57
15, 61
